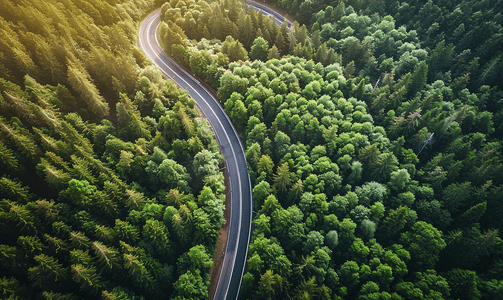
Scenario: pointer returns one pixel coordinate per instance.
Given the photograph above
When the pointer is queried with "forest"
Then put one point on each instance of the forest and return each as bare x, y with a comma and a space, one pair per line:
373, 140
372, 132
110, 185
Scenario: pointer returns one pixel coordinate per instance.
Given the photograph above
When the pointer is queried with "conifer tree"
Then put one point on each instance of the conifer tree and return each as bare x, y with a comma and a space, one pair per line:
80, 81
47, 272
137, 271
259, 49
88, 278
273, 53
130, 124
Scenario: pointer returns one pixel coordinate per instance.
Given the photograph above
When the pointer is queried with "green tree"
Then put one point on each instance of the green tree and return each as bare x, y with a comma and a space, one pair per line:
79, 192
259, 49
260, 192
129, 122
205, 163
270, 285
173, 174
332, 239
463, 284
234, 49
273, 53
238, 113
88, 278
314, 240
270, 205
349, 274
108, 257
79, 80
394, 222
262, 224
426, 285
137, 270
47, 272
273, 255
283, 178
424, 242
399, 179
191, 285
157, 234
371, 192
195, 259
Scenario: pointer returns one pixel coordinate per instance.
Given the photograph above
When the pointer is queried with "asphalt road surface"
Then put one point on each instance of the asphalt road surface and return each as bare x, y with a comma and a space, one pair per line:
239, 180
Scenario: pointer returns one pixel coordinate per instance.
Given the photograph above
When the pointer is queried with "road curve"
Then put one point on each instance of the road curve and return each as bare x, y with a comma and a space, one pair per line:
239, 180
277, 17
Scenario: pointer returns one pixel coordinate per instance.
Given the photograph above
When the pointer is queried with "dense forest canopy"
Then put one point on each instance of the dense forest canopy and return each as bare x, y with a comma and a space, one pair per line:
372, 131
373, 141
126, 205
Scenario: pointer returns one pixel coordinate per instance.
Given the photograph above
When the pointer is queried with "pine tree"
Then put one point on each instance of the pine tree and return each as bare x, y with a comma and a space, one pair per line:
47, 272
472, 215
14, 190
246, 30
105, 234
10, 288
21, 137
10, 257
185, 120
30, 245
80, 257
108, 257
130, 125
80, 170
270, 284
7, 157
178, 225
105, 204
283, 178
81, 82
88, 278
22, 61
79, 240
18, 215
418, 79
135, 200
273, 53
280, 42
126, 231
137, 271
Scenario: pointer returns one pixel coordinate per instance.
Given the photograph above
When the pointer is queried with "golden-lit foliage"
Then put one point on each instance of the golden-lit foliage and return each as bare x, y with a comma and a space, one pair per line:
89, 46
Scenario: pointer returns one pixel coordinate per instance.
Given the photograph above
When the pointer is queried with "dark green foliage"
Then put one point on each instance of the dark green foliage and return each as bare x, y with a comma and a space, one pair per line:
368, 158
463, 284
353, 199
403, 191
90, 222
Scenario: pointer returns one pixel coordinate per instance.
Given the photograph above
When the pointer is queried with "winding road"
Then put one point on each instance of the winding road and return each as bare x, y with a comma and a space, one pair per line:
239, 234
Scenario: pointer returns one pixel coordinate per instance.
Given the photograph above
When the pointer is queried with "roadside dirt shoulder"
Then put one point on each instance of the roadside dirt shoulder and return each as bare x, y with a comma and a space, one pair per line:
221, 244
218, 256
